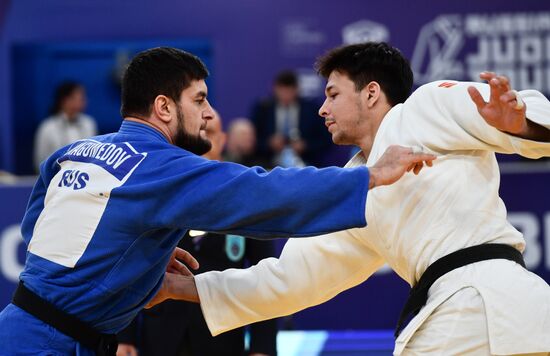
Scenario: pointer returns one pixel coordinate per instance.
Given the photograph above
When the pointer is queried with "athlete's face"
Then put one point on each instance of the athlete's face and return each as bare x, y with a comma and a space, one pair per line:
344, 110
193, 112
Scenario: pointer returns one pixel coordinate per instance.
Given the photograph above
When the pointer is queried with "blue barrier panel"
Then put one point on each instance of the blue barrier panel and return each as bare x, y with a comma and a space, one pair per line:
335, 343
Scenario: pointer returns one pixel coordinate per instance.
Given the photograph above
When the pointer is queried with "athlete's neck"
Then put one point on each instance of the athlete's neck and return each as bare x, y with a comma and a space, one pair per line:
164, 132
375, 121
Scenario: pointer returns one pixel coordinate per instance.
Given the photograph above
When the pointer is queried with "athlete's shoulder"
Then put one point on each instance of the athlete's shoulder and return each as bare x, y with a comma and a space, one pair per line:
439, 90
437, 86
448, 86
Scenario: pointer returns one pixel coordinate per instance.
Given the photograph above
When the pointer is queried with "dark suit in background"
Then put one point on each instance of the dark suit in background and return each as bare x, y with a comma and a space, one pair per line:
289, 130
178, 328
312, 130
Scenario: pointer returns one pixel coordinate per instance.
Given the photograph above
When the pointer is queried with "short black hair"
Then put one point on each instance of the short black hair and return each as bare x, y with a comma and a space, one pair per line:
158, 71
371, 61
286, 78
62, 92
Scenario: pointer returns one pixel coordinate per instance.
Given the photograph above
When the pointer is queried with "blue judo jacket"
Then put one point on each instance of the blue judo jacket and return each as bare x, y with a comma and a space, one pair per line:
107, 212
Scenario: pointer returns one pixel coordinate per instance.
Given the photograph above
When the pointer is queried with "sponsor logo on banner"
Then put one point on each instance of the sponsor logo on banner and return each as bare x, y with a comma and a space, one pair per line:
310, 84
301, 37
460, 46
365, 31
234, 247
11, 242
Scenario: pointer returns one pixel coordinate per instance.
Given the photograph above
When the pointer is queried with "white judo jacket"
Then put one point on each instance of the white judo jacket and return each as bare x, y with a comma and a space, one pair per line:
412, 223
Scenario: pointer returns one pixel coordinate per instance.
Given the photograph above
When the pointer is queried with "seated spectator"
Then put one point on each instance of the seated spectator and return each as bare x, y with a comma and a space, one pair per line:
241, 144
289, 129
66, 124
176, 328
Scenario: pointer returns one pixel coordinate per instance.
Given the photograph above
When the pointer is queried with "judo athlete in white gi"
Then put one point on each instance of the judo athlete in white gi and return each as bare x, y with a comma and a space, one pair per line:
493, 306
106, 213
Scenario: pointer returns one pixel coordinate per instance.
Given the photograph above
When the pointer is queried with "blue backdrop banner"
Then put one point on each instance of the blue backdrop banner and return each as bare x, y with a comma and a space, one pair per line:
250, 41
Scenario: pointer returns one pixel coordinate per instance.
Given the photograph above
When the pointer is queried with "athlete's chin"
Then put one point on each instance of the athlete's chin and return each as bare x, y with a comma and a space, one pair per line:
338, 139
204, 147
342, 140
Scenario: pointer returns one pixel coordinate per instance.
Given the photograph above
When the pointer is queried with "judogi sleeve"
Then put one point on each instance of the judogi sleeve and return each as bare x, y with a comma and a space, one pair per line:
230, 198
447, 119
308, 272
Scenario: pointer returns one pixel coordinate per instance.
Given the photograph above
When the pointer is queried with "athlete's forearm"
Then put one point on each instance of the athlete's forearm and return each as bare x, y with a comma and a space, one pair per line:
175, 286
183, 288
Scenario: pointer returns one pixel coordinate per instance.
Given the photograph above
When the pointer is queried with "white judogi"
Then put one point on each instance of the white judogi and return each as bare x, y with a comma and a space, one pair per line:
411, 224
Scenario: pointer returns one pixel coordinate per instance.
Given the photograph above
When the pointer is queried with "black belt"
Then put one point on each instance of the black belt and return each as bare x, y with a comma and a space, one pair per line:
103, 344
419, 293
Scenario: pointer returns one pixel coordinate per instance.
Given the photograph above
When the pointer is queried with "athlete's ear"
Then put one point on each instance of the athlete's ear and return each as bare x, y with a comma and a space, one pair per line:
163, 108
371, 93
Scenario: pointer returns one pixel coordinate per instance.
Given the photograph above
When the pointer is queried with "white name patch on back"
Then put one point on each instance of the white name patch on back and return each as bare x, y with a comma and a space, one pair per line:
77, 197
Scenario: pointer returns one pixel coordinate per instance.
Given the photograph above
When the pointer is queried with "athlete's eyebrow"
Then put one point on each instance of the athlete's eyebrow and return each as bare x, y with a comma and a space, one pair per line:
329, 88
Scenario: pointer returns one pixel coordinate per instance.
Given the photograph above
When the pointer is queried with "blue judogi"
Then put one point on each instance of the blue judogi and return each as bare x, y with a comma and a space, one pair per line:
106, 214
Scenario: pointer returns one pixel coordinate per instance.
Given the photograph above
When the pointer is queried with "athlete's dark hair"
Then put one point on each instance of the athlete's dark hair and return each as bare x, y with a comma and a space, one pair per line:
371, 61
158, 71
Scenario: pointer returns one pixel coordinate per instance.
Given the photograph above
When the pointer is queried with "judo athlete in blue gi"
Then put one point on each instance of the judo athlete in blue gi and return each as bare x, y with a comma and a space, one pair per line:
106, 213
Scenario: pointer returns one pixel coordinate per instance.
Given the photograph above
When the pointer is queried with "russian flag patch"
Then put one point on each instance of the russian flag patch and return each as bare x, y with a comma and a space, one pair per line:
447, 84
